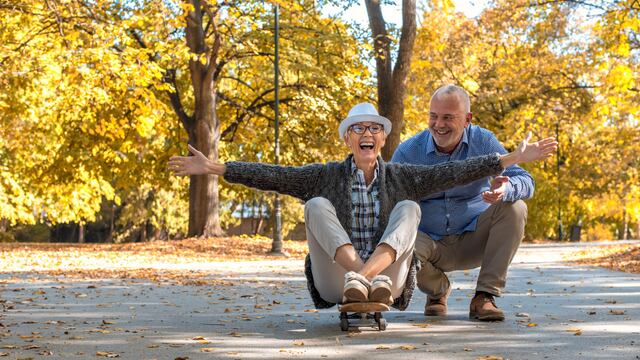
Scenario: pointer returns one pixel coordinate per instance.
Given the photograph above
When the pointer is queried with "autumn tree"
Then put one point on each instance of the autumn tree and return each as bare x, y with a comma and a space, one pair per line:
518, 63
108, 89
392, 77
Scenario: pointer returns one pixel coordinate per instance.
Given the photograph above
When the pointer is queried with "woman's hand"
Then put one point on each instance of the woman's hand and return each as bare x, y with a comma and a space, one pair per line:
198, 164
528, 151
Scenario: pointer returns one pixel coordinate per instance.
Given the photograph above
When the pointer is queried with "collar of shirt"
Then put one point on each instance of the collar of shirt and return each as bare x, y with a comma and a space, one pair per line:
355, 171
431, 144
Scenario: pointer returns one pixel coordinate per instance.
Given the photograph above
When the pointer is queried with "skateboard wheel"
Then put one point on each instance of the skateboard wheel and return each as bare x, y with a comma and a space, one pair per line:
344, 324
382, 324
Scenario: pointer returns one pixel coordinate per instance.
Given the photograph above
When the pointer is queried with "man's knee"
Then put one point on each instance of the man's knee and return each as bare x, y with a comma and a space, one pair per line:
409, 208
423, 247
316, 206
516, 210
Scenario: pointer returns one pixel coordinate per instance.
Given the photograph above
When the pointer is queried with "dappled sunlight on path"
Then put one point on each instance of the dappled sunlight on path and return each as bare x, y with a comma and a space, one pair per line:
261, 309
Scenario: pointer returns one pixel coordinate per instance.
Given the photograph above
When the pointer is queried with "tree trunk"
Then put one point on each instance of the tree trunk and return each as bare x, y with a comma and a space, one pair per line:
203, 127
3, 225
392, 83
143, 233
204, 218
81, 233
112, 223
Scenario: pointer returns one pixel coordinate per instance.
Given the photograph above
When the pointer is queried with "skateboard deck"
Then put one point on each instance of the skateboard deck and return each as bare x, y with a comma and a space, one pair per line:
361, 314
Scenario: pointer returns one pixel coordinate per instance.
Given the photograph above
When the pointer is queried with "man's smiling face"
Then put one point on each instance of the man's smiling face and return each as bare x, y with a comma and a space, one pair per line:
447, 121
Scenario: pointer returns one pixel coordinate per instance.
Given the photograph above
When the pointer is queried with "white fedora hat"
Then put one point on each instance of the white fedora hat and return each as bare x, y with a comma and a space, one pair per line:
361, 113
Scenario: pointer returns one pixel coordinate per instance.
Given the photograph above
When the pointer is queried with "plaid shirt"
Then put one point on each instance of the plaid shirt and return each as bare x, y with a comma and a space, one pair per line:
365, 213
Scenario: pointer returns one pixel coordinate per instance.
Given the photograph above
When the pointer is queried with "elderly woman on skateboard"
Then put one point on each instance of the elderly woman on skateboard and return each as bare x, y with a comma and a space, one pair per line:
361, 214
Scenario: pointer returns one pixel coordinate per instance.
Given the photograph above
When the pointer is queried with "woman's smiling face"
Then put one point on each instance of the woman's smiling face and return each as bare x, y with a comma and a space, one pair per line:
366, 146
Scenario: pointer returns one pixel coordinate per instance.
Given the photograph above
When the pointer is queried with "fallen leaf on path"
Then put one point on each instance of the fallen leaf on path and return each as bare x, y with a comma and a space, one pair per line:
107, 354
153, 346
4, 354
490, 357
467, 349
617, 312
198, 338
383, 347
407, 347
522, 314
532, 324
298, 343
311, 310
207, 350
575, 331
421, 325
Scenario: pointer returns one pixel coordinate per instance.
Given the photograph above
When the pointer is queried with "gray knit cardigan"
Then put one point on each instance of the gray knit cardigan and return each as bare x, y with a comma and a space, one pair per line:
397, 182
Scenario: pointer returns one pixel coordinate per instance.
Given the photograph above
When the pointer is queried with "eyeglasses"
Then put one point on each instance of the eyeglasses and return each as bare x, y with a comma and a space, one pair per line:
361, 129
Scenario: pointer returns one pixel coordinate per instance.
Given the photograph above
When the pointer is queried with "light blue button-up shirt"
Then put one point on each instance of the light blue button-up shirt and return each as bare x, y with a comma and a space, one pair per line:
456, 210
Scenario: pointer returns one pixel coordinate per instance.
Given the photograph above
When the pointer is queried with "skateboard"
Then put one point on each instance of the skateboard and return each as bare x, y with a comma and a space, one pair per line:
361, 314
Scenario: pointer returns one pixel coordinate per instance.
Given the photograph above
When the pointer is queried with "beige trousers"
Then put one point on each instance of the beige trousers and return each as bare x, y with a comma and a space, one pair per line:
325, 235
491, 246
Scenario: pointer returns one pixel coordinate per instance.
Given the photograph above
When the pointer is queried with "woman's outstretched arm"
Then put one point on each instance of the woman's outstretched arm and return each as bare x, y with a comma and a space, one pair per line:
297, 181
429, 179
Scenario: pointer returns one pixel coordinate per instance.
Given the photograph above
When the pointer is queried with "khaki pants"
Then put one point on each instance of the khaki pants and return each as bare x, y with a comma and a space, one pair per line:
491, 246
325, 235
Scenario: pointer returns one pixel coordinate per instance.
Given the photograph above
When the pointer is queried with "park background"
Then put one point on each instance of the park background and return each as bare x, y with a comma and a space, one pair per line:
96, 96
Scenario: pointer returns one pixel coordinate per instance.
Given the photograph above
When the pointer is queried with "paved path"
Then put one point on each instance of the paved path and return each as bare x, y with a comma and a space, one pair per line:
262, 310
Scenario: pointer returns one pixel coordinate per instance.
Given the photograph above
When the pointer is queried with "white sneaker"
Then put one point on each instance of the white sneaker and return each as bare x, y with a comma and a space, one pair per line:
380, 290
356, 288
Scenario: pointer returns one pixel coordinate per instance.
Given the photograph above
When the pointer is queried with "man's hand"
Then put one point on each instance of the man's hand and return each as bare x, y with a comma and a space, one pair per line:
198, 164
497, 189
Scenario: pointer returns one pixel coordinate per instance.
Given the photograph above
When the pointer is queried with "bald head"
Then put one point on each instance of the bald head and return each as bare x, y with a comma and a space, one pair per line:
457, 91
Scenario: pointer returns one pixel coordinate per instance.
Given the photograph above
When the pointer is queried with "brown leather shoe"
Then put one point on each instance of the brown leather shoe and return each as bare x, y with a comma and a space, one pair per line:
437, 306
483, 307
